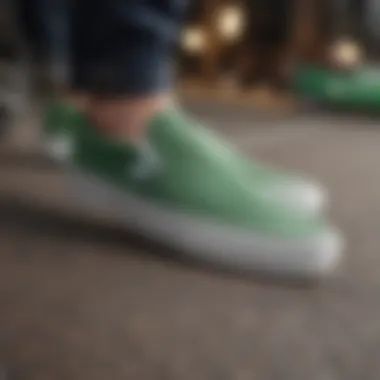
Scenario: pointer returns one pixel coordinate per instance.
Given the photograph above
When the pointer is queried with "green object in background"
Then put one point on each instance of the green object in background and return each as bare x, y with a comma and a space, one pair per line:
357, 88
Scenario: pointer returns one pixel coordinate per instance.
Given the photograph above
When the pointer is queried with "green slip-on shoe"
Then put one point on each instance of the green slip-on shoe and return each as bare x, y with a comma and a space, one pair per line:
173, 188
62, 124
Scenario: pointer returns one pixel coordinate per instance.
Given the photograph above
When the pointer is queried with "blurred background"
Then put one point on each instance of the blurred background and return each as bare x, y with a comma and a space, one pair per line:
260, 53
293, 82
268, 53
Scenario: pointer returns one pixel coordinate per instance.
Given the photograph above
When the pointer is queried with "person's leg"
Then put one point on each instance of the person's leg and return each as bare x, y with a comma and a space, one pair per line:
121, 61
138, 158
127, 62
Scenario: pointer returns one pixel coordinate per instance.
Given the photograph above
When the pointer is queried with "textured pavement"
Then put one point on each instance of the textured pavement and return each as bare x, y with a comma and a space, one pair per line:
80, 300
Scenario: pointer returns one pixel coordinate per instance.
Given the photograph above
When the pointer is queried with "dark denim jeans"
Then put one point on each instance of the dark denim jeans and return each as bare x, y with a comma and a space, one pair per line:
113, 46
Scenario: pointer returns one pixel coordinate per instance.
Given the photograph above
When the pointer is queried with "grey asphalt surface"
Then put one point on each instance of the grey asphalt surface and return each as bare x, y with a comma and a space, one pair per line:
80, 299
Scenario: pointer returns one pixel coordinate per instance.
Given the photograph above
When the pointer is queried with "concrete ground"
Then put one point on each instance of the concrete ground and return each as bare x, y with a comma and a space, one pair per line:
80, 300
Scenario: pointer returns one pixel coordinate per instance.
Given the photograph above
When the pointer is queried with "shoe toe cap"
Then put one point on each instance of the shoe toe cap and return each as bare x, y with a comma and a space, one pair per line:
305, 196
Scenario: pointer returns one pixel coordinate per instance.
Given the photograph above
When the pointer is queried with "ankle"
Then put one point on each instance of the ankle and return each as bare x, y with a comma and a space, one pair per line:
126, 118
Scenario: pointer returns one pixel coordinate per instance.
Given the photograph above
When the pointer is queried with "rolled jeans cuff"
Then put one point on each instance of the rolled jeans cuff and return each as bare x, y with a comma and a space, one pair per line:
135, 69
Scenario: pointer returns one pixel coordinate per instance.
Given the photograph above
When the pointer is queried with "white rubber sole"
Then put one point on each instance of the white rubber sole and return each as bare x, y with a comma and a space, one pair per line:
239, 249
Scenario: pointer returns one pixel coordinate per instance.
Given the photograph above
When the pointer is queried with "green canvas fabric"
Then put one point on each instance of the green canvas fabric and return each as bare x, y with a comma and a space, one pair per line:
186, 170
